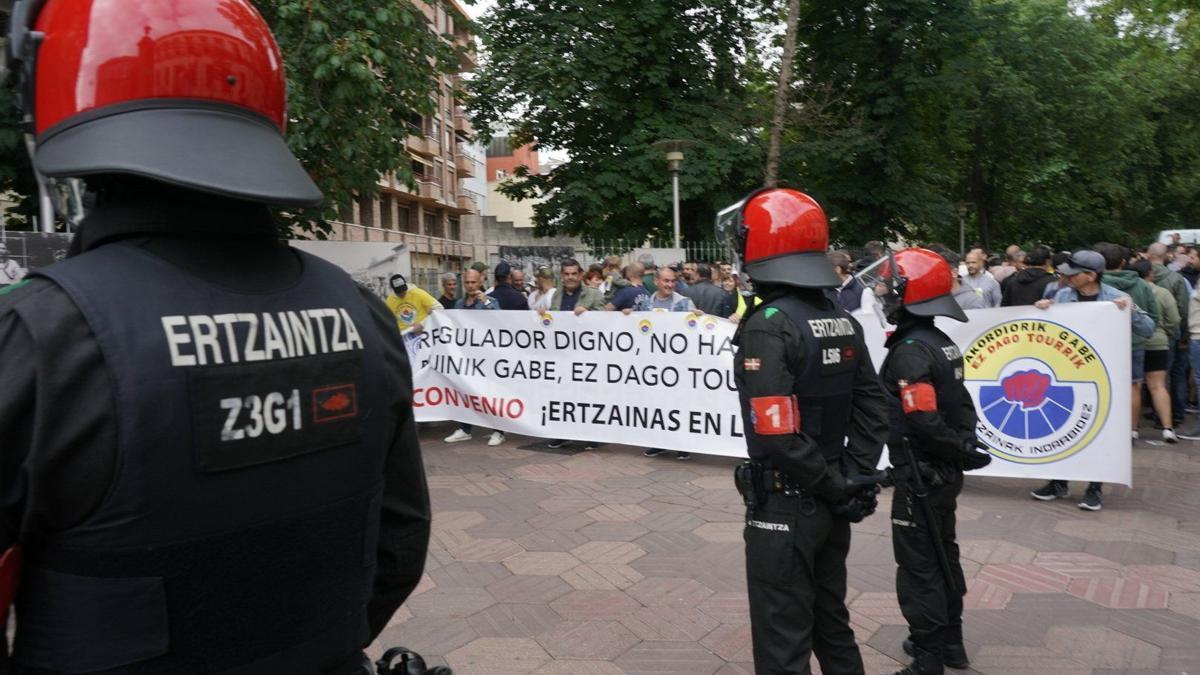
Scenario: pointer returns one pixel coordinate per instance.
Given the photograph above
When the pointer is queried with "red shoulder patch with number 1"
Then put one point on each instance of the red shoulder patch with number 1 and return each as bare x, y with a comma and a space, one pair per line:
774, 415
918, 397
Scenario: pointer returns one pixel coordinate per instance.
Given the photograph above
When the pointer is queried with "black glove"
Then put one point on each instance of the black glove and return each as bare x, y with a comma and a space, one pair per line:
858, 507
851, 510
970, 458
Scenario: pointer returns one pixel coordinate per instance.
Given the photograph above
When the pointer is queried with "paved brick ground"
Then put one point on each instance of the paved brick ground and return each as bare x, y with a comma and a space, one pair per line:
606, 562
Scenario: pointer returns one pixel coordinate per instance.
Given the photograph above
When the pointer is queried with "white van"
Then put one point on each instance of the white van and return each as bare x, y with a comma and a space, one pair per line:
1185, 236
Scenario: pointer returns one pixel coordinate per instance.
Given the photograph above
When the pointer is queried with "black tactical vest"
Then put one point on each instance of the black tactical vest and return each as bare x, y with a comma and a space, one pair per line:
824, 387
239, 533
946, 366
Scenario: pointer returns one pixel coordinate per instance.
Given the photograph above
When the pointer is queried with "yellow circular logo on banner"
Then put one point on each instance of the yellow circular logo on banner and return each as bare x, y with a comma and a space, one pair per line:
1042, 391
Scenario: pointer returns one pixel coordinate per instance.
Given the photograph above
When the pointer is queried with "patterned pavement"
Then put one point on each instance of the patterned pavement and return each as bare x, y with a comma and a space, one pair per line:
604, 562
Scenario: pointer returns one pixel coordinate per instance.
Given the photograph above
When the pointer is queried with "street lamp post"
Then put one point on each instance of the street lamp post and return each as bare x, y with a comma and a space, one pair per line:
674, 147
674, 160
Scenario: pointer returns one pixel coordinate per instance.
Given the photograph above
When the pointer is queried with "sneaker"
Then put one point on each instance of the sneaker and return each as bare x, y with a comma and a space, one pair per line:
1091, 500
683, 455
557, 443
1049, 492
591, 445
496, 439
458, 436
1135, 434
1191, 409
1169, 436
653, 452
1192, 434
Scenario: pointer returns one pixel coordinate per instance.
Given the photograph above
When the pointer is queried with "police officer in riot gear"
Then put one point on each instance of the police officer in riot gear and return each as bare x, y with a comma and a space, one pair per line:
932, 425
210, 462
815, 418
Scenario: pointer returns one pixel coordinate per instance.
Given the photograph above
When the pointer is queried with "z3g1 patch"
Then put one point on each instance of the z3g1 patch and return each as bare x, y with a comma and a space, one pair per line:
247, 414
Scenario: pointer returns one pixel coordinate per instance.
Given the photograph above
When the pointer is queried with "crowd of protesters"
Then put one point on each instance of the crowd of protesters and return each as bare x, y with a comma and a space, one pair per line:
642, 285
1158, 284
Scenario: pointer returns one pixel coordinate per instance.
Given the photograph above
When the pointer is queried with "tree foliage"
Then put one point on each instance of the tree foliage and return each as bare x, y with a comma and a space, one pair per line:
1037, 120
357, 74
604, 81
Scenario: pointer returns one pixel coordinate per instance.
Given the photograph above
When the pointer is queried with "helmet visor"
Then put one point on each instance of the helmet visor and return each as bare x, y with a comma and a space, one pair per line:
729, 230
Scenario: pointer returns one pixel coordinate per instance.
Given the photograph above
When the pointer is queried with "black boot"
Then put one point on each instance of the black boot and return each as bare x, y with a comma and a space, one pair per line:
924, 663
953, 656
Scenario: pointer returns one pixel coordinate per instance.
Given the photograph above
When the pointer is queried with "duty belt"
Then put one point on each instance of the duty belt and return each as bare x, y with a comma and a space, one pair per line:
775, 480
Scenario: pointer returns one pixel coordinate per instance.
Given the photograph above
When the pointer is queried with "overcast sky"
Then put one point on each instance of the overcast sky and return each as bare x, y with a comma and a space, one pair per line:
476, 10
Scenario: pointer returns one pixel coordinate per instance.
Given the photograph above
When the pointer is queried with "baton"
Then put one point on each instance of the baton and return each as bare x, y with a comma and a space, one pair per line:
921, 492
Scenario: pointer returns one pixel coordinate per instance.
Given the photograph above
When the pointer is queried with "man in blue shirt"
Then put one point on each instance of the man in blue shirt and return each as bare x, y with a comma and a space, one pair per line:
625, 298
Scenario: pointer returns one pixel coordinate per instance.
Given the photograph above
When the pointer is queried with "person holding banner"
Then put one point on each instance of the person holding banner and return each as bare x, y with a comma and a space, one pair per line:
474, 298
931, 442
806, 385
1080, 276
409, 304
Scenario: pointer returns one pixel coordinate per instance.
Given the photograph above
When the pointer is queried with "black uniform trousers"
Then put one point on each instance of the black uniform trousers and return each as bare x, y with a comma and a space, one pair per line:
796, 575
932, 609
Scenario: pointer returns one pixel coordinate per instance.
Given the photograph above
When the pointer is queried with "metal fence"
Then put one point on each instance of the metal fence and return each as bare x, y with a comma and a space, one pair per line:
699, 251
529, 257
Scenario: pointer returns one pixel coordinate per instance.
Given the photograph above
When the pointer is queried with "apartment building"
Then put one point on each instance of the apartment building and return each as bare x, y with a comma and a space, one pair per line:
448, 167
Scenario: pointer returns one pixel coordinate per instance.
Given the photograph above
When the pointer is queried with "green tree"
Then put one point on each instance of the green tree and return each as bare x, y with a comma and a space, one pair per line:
871, 137
603, 81
357, 74
1055, 122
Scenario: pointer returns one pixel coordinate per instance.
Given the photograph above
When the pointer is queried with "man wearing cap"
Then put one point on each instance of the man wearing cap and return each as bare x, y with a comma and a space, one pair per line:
1081, 275
503, 293
409, 304
236, 484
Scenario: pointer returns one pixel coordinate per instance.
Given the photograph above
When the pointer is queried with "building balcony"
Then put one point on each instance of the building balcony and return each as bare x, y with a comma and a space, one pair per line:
417, 243
462, 126
468, 58
429, 191
423, 145
466, 202
465, 166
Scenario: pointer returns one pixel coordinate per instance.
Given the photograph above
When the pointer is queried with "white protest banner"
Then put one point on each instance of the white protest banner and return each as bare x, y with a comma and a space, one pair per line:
1049, 386
655, 379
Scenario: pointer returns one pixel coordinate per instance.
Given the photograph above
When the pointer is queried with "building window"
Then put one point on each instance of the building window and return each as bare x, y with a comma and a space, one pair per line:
366, 210
346, 212
433, 225
420, 171
385, 211
455, 229
436, 132
499, 147
403, 218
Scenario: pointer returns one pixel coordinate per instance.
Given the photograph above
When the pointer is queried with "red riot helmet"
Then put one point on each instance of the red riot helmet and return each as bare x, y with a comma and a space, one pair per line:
924, 283
781, 236
188, 92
